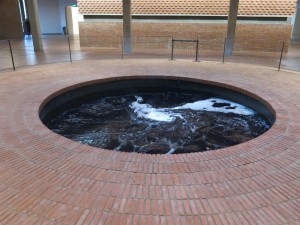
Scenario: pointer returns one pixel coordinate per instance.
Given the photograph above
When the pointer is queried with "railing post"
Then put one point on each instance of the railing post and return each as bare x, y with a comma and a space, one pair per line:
197, 46
172, 55
70, 53
122, 47
282, 49
224, 51
12, 56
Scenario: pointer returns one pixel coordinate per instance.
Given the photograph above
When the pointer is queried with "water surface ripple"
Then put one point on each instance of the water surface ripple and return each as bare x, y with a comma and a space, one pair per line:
160, 123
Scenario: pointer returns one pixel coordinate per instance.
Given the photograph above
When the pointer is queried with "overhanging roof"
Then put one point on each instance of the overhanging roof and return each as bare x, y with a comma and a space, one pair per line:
188, 7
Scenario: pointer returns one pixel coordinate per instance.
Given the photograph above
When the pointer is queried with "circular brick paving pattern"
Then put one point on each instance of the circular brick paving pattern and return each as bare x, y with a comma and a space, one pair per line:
48, 179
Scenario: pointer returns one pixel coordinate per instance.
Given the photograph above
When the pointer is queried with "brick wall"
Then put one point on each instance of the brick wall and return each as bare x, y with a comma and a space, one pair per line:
249, 37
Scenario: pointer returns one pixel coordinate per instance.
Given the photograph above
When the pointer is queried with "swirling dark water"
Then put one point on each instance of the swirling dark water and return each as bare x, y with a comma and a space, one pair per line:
160, 123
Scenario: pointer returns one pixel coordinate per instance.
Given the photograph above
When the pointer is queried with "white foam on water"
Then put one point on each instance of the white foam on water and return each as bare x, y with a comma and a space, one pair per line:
172, 150
148, 112
167, 115
207, 105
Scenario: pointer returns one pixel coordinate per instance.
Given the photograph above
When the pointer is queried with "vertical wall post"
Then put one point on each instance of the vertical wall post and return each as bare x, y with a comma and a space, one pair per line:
282, 49
224, 50
231, 25
197, 46
12, 56
172, 53
70, 53
122, 41
296, 23
127, 21
35, 25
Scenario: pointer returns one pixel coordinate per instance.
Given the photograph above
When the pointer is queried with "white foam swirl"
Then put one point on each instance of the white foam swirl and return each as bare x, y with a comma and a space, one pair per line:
168, 115
208, 105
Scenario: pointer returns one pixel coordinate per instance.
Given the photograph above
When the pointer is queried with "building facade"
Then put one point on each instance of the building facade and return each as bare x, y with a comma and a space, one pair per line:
263, 23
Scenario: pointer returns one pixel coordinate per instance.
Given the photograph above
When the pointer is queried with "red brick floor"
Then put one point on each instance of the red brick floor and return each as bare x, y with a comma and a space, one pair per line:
48, 179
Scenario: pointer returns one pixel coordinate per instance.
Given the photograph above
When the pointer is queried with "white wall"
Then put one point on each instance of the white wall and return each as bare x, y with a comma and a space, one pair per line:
62, 5
73, 17
49, 16
52, 15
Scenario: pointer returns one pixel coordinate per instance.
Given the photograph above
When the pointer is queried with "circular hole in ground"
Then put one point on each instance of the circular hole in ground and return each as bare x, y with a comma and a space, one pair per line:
156, 115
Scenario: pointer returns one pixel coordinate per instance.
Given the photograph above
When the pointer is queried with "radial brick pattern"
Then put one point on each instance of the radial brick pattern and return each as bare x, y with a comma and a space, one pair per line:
189, 7
48, 179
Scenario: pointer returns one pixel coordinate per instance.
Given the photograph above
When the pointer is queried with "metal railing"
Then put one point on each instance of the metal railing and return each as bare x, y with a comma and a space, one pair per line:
16, 53
186, 41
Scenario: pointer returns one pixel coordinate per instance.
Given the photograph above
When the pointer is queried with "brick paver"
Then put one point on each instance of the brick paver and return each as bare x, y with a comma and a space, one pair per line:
48, 179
